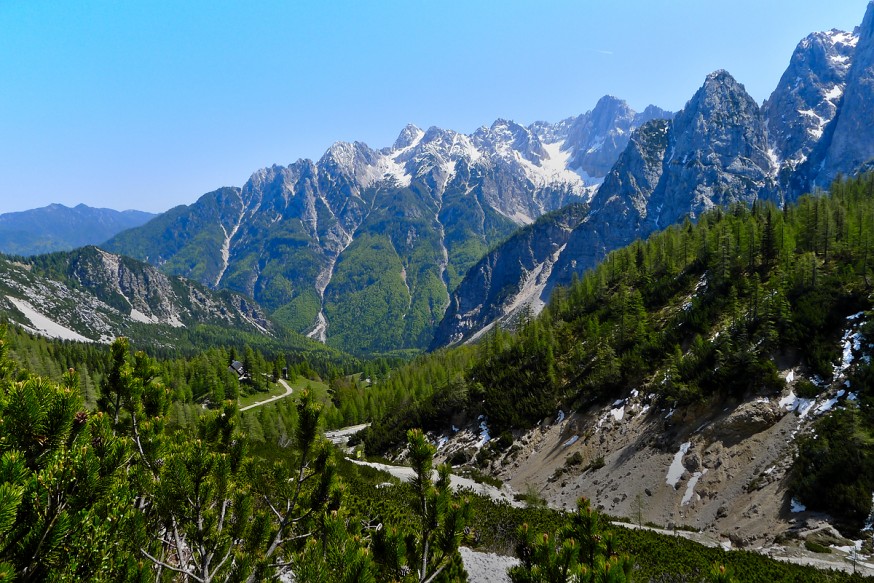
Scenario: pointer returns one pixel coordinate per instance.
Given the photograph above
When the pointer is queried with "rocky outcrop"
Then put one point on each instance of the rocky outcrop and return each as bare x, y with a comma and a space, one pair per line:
493, 291
713, 153
746, 420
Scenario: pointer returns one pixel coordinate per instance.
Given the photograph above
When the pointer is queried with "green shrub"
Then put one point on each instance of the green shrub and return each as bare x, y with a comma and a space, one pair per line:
816, 547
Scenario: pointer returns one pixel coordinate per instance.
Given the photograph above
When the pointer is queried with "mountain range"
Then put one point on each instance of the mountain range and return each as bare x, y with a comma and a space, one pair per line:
60, 228
362, 248
721, 148
418, 245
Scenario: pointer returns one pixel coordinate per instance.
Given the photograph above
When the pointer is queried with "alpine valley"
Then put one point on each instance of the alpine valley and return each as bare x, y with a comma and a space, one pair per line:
639, 342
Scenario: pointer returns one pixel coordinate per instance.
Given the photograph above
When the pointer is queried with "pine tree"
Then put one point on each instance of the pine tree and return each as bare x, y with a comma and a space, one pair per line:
62, 492
433, 548
578, 552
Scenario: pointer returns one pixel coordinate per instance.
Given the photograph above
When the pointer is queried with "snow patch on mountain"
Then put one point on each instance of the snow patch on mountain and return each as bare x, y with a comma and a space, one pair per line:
226, 244
44, 325
555, 168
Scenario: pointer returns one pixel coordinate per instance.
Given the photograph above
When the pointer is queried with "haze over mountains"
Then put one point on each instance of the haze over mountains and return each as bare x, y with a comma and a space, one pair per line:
60, 228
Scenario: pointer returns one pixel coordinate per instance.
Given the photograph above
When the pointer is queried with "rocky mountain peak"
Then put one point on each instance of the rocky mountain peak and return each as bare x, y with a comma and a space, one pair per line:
610, 109
409, 136
506, 138
720, 92
595, 139
719, 116
654, 112
847, 143
808, 95
313, 238
350, 159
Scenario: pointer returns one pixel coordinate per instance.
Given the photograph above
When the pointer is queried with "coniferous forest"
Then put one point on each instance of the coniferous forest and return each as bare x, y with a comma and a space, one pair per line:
116, 465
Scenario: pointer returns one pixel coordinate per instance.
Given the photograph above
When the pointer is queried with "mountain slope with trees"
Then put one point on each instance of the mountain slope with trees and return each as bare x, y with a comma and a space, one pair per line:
694, 320
302, 239
721, 148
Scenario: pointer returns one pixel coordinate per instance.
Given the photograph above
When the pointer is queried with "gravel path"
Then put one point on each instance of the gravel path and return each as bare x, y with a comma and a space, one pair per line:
341, 436
288, 391
406, 474
486, 567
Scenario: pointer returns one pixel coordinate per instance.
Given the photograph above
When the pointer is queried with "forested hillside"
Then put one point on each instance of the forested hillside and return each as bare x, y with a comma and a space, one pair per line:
696, 314
122, 491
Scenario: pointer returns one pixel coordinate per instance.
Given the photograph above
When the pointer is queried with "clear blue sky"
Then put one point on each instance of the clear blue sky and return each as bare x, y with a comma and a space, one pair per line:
149, 104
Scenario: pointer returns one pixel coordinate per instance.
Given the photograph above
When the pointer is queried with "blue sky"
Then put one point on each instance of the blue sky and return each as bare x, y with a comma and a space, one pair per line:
149, 104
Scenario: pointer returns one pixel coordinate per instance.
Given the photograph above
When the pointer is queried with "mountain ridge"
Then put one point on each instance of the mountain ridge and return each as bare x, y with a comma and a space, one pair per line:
91, 295
431, 204
719, 149
60, 228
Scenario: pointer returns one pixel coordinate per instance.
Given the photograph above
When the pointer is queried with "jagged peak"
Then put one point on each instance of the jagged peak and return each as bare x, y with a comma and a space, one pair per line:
502, 131
341, 148
866, 29
348, 154
836, 37
655, 112
611, 103
435, 133
719, 76
717, 85
409, 136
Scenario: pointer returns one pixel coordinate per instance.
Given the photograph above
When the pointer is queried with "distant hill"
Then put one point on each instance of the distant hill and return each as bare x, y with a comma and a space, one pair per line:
60, 228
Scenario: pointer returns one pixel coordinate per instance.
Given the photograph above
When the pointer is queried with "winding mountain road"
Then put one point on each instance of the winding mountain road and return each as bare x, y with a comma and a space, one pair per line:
288, 391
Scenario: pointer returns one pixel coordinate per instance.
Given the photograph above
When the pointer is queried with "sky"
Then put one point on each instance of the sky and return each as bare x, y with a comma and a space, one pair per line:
150, 104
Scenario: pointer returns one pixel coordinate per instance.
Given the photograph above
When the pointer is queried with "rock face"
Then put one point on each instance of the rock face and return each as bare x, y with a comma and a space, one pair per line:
60, 228
89, 294
808, 95
492, 289
849, 145
717, 153
714, 152
363, 247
